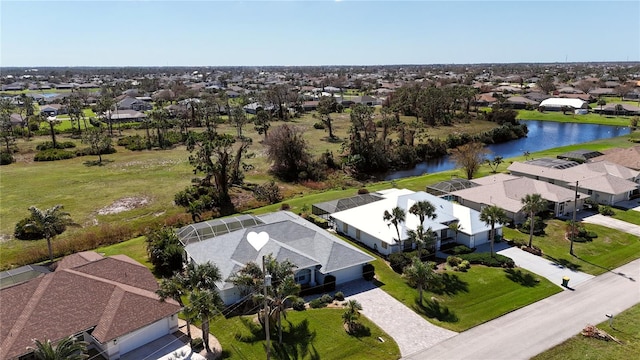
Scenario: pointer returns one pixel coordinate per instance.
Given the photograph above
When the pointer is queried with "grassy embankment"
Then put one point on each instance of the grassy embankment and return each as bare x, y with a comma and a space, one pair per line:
626, 328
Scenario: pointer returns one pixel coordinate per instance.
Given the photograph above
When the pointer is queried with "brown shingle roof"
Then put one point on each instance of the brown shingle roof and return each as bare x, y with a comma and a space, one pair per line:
113, 296
629, 157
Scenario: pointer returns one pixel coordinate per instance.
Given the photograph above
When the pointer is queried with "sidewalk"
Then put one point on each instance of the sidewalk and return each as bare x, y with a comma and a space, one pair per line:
531, 330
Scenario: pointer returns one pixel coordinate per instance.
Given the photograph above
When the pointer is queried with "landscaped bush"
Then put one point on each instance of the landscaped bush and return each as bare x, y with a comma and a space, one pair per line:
298, 304
399, 261
90, 151
323, 223
285, 207
329, 283
453, 261
338, 296
538, 228
592, 235
59, 145
362, 191
607, 211
459, 249
368, 272
6, 158
486, 259
317, 303
197, 344
53, 154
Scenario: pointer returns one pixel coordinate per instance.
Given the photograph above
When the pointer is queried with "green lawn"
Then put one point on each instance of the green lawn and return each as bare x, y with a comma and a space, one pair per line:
612, 248
570, 117
626, 328
470, 298
309, 334
630, 216
135, 248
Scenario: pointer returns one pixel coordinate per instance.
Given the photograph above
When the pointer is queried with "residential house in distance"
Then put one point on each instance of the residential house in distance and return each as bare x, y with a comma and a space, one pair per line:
109, 302
629, 157
365, 223
132, 103
558, 104
507, 191
605, 182
315, 252
123, 116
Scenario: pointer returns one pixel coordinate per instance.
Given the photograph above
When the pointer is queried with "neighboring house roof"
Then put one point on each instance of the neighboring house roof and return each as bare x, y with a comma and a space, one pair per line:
507, 192
520, 100
595, 172
601, 91
560, 102
114, 296
629, 157
334, 206
124, 115
368, 217
290, 238
580, 155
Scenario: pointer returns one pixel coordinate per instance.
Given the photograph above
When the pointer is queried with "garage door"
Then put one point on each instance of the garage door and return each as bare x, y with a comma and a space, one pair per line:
143, 336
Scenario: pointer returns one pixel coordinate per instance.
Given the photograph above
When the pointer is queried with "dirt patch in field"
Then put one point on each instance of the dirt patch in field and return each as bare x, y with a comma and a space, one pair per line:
124, 204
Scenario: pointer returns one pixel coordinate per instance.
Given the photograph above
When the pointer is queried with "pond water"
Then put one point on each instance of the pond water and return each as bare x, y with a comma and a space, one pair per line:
542, 135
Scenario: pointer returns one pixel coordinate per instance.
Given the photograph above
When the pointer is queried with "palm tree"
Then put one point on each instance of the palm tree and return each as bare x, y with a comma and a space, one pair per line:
204, 305
396, 217
68, 348
456, 228
351, 314
285, 291
420, 274
423, 210
492, 215
50, 223
601, 102
174, 288
533, 204
421, 237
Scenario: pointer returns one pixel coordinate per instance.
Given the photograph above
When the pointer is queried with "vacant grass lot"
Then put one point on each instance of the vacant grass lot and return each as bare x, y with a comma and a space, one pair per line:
309, 334
626, 328
612, 248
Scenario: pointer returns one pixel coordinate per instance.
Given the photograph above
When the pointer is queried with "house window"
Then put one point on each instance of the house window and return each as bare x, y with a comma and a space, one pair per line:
357, 234
345, 228
384, 245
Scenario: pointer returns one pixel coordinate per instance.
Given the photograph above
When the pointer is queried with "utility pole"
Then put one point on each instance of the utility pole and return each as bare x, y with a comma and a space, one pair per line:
573, 224
267, 283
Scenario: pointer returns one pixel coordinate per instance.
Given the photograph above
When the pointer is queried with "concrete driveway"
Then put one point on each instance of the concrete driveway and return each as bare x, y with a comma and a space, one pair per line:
410, 331
610, 222
544, 267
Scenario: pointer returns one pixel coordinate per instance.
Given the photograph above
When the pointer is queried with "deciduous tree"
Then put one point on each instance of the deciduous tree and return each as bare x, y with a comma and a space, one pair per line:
469, 157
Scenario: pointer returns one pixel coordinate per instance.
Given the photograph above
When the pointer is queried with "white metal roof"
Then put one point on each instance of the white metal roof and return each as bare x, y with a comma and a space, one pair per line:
560, 102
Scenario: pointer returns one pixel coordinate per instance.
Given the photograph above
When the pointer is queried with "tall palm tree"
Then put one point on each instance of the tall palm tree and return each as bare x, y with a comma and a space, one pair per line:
68, 348
50, 223
423, 210
174, 288
420, 274
492, 215
351, 314
204, 305
533, 204
396, 217
285, 291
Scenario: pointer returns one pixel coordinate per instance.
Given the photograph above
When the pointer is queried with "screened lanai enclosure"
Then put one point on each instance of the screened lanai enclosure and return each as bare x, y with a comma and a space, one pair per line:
330, 207
444, 188
212, 228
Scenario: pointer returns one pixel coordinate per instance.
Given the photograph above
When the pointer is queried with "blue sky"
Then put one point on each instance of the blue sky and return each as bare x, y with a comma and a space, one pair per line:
231, 33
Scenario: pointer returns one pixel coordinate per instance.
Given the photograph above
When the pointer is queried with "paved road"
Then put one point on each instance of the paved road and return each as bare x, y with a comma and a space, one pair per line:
610, 222
533, 329
544, 267
410, 331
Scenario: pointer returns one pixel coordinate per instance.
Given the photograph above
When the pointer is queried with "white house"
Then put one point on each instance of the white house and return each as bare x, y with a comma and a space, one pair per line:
315, 252
365, 223
557, 104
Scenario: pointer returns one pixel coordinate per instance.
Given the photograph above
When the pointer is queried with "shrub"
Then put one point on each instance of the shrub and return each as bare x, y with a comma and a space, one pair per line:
134, 143
326, 298
6, 158
464, 265
486, 259
453, 261
368, 272
52, 155
592, 235
362, 191
459, 249
285, 206
269, 192
197, 344
399, 261
59, 145
298, 304
607, 211
317, 303
323, 223
338, 296
318, 126
329, 283
537, 230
